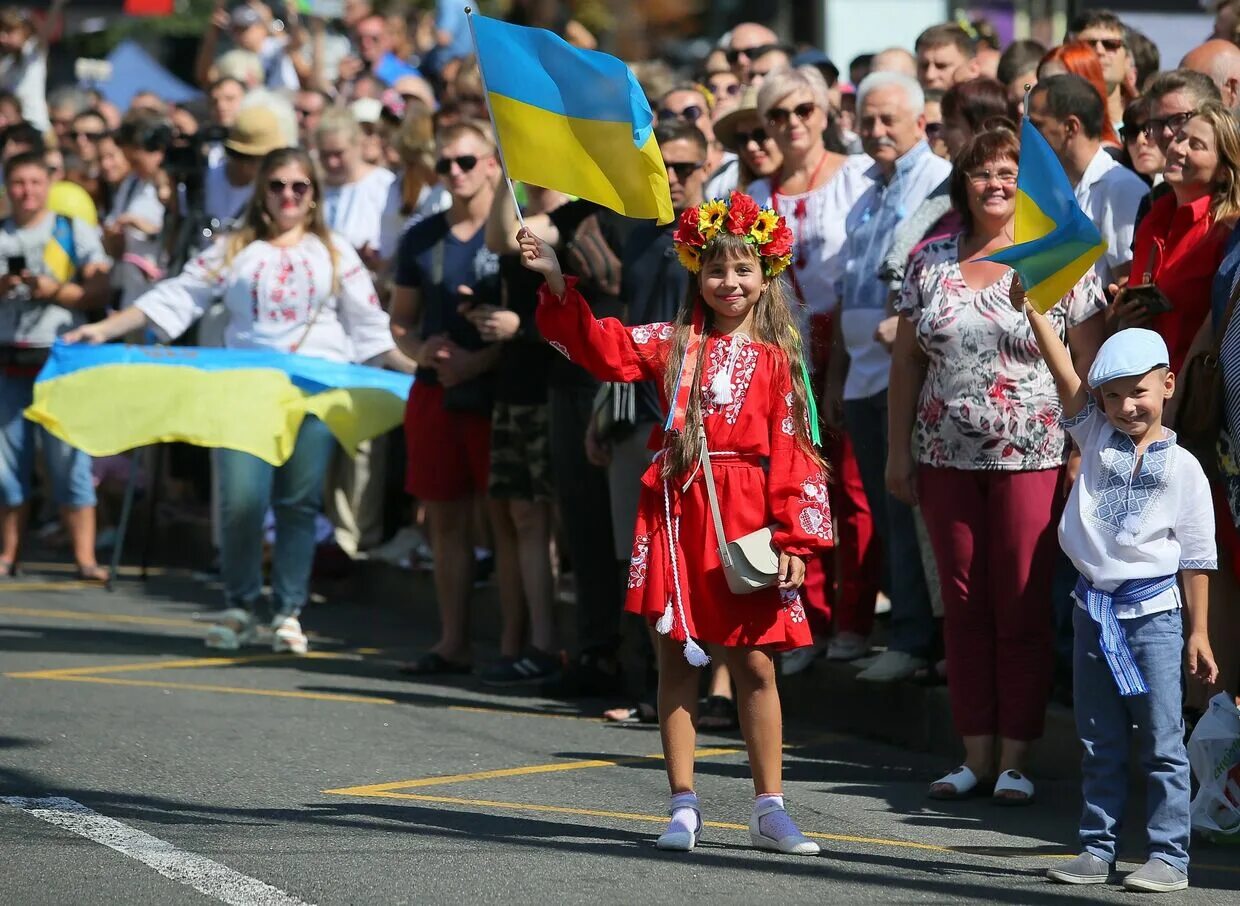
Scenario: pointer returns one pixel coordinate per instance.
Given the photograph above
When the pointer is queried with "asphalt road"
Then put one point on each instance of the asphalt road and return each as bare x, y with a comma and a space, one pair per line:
138, 768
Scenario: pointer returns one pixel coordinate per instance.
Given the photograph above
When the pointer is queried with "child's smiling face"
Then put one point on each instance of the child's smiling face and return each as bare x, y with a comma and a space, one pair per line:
1134, 405
732, 282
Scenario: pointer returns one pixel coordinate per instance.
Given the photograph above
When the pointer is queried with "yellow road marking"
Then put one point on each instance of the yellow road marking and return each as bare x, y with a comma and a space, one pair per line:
179, 664
230, 690
87, 616
10, 587
386, 789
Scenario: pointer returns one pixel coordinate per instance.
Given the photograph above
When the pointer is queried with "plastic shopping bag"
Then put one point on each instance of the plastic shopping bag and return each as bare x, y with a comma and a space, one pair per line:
1214, 755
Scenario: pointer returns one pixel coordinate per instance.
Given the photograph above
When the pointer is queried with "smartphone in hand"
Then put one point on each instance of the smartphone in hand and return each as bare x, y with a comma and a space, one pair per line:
1148, 296
16, 264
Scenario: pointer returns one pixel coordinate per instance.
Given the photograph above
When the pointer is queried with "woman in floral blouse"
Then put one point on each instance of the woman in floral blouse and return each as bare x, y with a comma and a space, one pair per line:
986, 465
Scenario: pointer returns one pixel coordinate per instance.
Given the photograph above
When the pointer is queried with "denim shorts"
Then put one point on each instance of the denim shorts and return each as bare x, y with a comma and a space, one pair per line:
68, 469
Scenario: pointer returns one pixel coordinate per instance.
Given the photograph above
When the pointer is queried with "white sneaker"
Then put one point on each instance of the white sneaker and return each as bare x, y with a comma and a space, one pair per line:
848, 646
798, 660
891, 667
288, 636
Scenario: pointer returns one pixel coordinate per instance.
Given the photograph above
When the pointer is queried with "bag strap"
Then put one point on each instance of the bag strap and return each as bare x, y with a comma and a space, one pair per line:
725, 556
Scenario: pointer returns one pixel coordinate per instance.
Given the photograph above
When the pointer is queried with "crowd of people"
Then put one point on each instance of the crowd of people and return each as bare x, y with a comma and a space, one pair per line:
338, 192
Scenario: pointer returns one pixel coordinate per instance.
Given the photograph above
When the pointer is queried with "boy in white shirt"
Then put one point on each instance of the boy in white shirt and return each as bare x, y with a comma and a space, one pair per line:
1140, 516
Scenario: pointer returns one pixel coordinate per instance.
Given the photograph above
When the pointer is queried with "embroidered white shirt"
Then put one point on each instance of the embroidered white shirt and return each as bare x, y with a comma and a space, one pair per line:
1128, 520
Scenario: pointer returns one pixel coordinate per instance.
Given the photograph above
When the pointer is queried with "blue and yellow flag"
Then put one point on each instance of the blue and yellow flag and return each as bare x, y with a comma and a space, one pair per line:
1055, 242
572, 120
107, 399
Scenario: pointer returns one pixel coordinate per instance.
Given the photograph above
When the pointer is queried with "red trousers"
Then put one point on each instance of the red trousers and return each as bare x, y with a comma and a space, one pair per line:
841, 585
994, 540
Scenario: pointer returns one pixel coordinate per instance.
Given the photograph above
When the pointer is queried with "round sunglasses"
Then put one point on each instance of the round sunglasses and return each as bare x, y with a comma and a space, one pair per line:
780, 116
299, 186
465, 162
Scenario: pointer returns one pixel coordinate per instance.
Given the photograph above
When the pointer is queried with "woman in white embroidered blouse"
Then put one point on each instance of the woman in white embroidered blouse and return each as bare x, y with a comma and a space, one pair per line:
967, 374
289, 285
815, 189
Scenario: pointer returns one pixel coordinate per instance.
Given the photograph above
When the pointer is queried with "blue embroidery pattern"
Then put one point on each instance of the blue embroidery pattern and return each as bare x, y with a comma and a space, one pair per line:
1122, 498
1198, 564
1080, 417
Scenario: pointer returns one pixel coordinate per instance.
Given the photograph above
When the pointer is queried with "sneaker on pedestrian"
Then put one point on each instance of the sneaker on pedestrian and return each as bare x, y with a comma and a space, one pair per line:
848, 646
891, 667
771, 828
1084, 869
533, 667
800, 659
1156, 876
288, 636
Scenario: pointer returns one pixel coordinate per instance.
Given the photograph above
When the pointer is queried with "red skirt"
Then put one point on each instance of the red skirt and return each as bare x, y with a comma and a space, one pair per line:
711, 612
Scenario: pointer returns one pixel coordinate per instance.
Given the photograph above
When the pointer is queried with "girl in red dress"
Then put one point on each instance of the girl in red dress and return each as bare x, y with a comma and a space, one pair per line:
732, 362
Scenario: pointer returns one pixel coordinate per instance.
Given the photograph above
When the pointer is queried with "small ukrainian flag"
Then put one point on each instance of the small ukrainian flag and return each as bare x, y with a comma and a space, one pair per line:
1055, 242
572, 120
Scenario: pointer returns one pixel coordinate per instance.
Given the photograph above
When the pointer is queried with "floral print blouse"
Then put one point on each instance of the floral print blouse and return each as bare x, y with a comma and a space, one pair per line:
988, 401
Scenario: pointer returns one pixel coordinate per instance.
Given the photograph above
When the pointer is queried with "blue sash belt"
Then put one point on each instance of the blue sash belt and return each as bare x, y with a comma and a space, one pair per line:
1101, 608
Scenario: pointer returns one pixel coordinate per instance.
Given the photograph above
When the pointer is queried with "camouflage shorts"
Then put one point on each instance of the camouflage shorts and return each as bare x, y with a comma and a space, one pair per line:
520, 453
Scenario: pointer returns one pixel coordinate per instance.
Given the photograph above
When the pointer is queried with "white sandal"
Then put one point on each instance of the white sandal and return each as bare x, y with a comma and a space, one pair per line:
288, 636
681, 841
794, 844
964, 783
1013, 782
232, 629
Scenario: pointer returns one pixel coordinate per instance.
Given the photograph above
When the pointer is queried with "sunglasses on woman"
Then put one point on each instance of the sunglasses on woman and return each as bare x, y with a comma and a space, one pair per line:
466, 162
299, 186
732, 89
758, 136
1130, 132
690, 114
779, 116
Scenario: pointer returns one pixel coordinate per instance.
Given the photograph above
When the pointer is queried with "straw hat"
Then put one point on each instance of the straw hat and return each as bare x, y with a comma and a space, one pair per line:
726, 125
255, 133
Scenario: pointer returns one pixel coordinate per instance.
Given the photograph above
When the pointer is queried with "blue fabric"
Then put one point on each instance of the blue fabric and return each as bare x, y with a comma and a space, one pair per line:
541, 69
68, 469
1106, 721
1122, 497
248, 486
391, 68
135, 70
308, 373
1101, 607
912, 628
1228, 270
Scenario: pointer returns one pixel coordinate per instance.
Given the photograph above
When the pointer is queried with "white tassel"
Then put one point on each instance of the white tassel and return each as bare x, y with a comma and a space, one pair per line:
665, 623
695, 655
721, 388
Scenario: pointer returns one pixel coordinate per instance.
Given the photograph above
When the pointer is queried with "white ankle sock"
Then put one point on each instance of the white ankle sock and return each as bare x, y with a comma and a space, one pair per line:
685, 813
776, 824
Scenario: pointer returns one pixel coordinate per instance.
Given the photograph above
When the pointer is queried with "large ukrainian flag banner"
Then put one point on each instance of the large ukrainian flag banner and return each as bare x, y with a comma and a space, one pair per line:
1055, 242
572, 120
107, 399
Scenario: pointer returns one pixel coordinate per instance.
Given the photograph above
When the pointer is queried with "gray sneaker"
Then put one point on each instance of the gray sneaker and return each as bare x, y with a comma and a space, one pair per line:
1156, 876
1084, 869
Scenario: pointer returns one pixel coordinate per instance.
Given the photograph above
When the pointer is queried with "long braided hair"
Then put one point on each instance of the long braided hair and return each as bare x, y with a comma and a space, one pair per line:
773, 327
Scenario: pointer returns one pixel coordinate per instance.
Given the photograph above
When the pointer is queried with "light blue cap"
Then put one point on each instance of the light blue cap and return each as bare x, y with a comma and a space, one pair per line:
1128, 353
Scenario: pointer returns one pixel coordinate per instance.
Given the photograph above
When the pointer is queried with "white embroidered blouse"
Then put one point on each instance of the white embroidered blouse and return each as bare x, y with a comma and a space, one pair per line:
1135, 520
273, 294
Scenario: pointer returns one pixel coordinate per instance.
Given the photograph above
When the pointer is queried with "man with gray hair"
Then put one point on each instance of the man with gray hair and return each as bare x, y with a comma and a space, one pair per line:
892, 124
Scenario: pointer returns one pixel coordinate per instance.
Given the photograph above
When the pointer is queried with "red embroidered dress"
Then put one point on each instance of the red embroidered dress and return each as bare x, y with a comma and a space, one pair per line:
762, 473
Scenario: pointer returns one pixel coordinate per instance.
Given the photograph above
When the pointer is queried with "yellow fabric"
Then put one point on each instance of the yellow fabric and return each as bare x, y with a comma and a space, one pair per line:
57, 261
1051, 291
71, 200
1031, 223
591, 159
258, 411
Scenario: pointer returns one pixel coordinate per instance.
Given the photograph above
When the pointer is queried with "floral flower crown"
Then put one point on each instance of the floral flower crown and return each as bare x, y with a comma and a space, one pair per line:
762, 228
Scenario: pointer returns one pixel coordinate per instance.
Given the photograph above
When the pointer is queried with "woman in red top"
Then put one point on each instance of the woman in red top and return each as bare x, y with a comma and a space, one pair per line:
727, 366
1180, 243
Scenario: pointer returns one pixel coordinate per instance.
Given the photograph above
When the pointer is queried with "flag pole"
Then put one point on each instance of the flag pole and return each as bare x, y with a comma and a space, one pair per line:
486, 96
1028, 92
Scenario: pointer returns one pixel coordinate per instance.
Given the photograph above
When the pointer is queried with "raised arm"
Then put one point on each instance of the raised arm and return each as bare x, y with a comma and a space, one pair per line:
503, 225
1073, 395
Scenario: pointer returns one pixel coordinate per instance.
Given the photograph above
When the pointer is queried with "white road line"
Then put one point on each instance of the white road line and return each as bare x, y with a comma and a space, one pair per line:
199, 872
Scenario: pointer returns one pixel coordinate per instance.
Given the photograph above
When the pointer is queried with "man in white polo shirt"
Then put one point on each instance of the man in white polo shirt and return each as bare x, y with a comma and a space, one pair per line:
1069, 113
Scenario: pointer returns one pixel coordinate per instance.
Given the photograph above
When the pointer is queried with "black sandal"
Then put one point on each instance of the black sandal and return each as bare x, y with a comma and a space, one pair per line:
718, 712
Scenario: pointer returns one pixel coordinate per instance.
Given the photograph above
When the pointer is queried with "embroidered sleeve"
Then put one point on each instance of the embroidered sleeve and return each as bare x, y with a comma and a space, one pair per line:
173, 305
1082, 424
1194, 527
361, 315
605, 348
797, 483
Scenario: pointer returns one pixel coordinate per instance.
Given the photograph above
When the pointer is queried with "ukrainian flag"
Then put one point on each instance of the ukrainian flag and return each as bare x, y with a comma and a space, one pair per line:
1055, 242
572, 120
107, 399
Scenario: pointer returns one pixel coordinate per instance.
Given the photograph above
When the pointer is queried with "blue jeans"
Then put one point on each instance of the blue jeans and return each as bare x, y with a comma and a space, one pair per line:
68, 469
247, 487
1105, 721
912, 617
